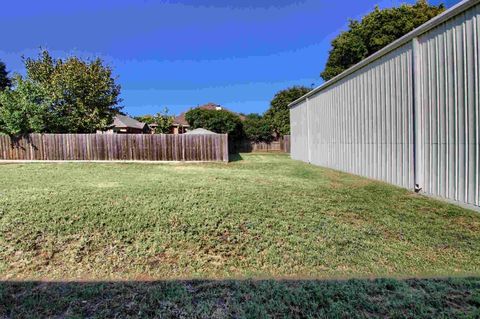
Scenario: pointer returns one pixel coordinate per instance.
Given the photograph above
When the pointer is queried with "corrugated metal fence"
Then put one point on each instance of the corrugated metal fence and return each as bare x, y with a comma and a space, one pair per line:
407, 115
126, 147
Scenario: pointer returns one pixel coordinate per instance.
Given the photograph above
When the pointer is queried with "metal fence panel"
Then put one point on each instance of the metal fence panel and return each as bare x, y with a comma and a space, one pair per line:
298, 135
449, 90
363, 123
407, 115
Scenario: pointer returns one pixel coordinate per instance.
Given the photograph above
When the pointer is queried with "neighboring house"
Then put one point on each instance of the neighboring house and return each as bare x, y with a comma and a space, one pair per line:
180, 124
123, 124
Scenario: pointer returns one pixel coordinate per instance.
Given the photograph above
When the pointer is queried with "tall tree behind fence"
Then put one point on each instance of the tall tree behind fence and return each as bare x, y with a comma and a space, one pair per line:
128, 147
408, 115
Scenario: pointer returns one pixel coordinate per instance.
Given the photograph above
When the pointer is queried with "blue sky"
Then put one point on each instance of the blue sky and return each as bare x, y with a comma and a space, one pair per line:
182, 53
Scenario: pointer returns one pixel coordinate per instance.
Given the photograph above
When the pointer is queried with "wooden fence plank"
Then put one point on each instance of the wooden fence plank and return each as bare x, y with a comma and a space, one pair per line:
164, 147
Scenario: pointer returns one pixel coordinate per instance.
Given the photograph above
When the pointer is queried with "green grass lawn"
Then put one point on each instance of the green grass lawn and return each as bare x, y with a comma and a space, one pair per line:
381, 298
264, 216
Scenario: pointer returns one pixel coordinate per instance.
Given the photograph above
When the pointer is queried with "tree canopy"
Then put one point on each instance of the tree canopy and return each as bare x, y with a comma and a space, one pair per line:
218, 121
375, 31
257, 128
4, 79
84, 94
278, 115
162, 119
60, 96
25, 109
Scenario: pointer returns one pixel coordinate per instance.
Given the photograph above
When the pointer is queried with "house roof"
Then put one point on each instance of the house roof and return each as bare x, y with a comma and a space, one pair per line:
180, 120
123, 121
200, 131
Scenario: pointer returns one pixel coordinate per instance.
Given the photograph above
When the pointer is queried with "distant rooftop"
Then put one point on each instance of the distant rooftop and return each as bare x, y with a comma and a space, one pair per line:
123, 121
200, 131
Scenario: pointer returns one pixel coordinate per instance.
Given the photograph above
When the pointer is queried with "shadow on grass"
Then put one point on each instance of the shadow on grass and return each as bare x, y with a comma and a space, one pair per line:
419, 298
235, 157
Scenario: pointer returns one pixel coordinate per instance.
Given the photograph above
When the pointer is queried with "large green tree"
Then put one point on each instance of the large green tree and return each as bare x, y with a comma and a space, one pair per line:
4, 79
218, 121
23, 109
278, 115
376, 30
84, 94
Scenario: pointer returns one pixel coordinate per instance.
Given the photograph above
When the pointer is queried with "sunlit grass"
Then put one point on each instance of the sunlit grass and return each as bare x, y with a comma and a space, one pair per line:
260, 216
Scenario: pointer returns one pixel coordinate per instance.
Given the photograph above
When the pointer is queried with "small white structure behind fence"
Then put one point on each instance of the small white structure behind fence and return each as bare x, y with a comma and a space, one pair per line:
407, 115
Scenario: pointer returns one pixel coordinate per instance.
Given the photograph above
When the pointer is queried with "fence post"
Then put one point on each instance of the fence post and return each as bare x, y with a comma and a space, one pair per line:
417, 116
225, 148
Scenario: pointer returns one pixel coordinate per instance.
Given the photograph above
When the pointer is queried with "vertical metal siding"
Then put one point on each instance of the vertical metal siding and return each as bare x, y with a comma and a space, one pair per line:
449, 71
298, 128
362, 124
409, 116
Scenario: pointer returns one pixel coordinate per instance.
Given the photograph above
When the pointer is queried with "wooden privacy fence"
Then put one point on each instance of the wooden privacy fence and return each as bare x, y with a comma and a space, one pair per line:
109, 147
281, 145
